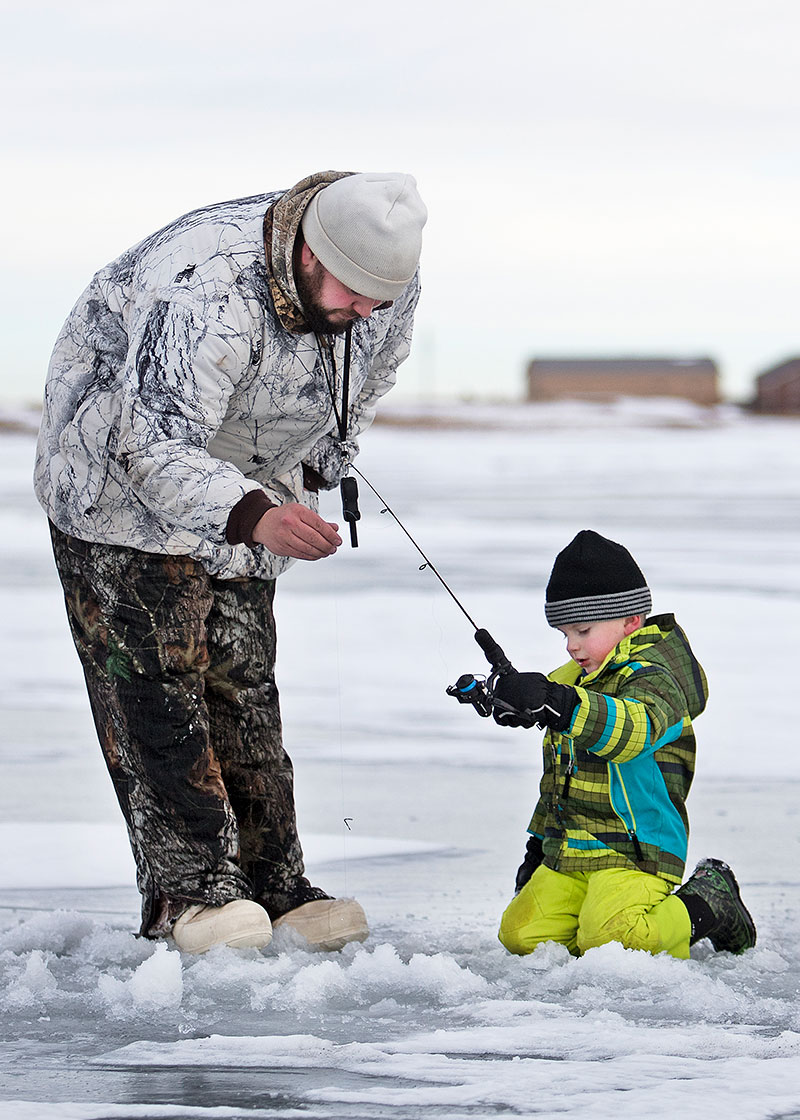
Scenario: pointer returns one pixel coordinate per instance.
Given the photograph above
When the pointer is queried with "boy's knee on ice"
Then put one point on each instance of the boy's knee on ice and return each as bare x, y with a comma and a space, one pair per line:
522, 938
660, 926
629, 927
520, 935
515, 935
546, 909
585, 910
629, 906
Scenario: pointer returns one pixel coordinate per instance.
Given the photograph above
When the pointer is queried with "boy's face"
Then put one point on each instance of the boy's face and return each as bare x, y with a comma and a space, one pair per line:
589, 643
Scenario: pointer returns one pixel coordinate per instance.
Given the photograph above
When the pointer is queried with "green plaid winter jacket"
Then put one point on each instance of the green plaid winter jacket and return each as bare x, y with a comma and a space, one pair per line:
615, 782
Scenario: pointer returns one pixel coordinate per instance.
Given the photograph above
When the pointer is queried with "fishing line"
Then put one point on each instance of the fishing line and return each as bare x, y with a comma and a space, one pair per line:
343, 810
349, 492
428, 563
467, 690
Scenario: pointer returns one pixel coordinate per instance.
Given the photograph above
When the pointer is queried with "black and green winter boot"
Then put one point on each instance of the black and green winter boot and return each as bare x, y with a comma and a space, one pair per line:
716, 909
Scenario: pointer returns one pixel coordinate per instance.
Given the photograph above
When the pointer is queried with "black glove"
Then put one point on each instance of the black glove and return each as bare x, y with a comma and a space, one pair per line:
533, 857
528, 698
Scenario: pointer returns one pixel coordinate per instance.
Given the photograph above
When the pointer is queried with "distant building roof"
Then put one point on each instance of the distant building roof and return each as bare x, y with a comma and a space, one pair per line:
692, 379
636, 367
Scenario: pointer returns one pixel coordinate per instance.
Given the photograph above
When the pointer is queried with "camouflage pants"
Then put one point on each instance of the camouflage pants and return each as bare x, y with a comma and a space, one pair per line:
179, 669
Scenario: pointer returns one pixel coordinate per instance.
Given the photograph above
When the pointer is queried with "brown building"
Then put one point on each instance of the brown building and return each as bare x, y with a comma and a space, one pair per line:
694, 379
778, 389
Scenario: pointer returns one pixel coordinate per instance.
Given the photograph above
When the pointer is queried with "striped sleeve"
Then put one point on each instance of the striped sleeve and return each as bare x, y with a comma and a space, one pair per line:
646, 713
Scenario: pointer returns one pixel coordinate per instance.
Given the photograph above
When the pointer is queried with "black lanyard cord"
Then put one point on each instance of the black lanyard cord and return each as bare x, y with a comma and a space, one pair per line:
341, 415
348, 485
344, 418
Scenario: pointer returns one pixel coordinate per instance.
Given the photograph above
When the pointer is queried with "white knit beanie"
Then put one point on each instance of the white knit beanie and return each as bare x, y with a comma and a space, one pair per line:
366, 229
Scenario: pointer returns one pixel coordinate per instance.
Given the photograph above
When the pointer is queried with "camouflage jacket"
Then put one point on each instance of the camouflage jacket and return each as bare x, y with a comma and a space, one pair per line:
615, 782
185, 377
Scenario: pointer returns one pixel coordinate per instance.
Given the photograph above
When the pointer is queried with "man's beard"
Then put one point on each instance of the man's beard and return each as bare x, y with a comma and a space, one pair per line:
318, 319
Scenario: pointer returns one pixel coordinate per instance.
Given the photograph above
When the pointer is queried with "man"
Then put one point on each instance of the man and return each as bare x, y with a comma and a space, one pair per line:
194, 406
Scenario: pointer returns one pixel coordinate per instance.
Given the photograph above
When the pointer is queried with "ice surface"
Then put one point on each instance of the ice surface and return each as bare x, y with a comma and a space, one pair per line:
418, 808
40, 854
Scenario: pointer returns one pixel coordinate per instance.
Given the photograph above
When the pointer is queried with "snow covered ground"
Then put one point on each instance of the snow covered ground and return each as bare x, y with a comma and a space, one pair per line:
419, 808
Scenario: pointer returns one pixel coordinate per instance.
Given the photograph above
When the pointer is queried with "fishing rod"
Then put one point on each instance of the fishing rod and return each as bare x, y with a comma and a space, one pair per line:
468, 689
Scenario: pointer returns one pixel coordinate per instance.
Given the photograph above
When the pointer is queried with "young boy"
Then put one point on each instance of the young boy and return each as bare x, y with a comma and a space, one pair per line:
609, 834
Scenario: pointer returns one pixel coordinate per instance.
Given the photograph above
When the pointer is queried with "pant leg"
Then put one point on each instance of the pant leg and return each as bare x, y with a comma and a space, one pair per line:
246, 733
139, 626
546, 909
636, 909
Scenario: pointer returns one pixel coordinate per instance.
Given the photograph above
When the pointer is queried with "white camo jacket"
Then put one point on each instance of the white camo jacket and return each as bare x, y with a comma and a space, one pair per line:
174, 390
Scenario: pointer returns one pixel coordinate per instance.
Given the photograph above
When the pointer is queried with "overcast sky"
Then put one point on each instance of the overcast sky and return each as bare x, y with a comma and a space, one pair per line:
603, 176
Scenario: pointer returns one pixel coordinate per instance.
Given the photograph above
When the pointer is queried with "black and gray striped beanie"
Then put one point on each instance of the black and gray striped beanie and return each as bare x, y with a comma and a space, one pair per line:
593, 579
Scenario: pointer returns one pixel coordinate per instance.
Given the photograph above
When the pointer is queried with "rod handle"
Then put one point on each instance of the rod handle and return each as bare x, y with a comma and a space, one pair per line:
494, 654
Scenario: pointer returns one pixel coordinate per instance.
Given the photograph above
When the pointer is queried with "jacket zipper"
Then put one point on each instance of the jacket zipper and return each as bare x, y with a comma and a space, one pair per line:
630, 828
558, 807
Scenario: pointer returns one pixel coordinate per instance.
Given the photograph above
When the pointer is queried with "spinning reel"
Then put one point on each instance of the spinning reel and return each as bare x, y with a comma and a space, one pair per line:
479, 691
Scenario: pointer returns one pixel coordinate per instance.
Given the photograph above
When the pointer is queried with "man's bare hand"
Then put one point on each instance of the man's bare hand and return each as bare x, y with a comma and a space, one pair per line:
294, 530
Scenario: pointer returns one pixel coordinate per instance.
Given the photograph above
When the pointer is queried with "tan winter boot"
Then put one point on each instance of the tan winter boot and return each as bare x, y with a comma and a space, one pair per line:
327, 924
241, 924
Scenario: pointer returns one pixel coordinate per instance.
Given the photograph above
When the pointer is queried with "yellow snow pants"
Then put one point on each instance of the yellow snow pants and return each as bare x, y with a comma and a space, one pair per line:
583, 909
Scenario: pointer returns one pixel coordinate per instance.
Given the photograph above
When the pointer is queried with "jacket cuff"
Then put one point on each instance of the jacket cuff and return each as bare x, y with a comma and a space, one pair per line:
565, 701
244, 517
